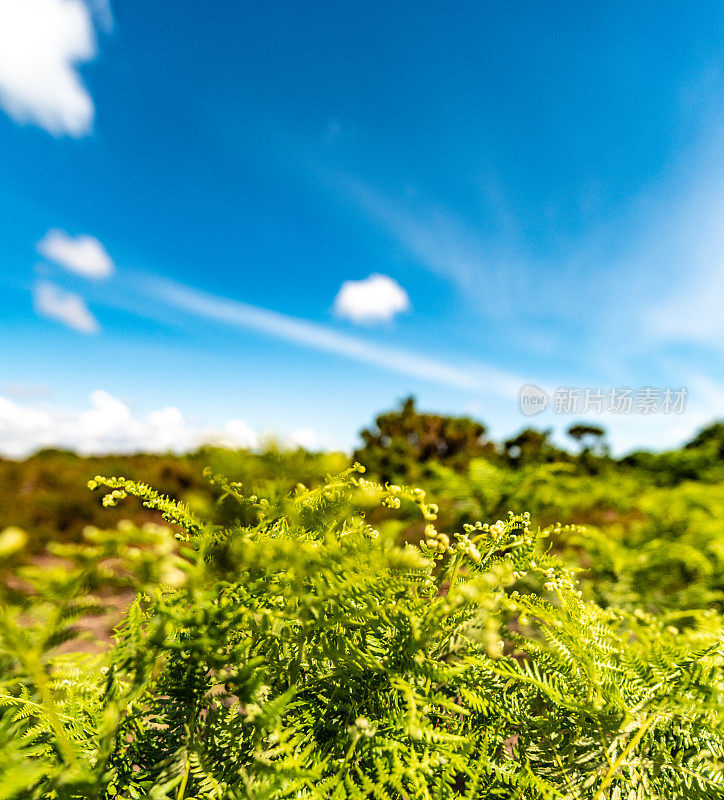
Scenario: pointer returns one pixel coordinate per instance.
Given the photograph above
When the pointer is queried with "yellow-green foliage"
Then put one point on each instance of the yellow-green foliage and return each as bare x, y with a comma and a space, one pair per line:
303, 652
46, 494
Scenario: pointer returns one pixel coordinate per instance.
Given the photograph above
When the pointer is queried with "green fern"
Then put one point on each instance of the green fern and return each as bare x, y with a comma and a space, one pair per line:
302, 652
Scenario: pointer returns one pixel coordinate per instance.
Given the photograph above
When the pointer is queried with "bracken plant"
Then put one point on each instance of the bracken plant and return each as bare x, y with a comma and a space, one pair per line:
306, 654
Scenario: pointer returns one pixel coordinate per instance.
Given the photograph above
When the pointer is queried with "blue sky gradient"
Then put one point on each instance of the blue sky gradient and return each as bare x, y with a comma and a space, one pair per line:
544, 181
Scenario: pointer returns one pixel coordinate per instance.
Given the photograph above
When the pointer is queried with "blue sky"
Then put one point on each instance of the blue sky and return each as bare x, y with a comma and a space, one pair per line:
235, 218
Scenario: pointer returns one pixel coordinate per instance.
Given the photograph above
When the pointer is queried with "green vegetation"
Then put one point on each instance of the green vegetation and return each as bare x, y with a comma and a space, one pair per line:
47, 495
344, 637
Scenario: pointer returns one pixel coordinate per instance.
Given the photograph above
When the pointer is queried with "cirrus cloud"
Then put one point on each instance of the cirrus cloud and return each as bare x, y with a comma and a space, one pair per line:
378, 298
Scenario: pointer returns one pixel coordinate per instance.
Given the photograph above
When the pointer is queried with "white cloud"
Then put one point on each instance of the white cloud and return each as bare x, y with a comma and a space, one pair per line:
375, 299
306, 438
237, 433
65, 307
83, 255
107, 425
42, 42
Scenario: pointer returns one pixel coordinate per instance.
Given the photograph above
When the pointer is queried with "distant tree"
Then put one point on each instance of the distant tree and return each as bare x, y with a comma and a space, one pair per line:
402, 441
532, 446
590, 437
709, 438
701, 459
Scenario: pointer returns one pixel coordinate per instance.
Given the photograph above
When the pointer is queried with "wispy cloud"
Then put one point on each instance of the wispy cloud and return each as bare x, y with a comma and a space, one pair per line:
650, 274
54, 303
479, 378
442, 243
688, 280
25, 391
84, 255
42, 42
103, 14
693, 314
